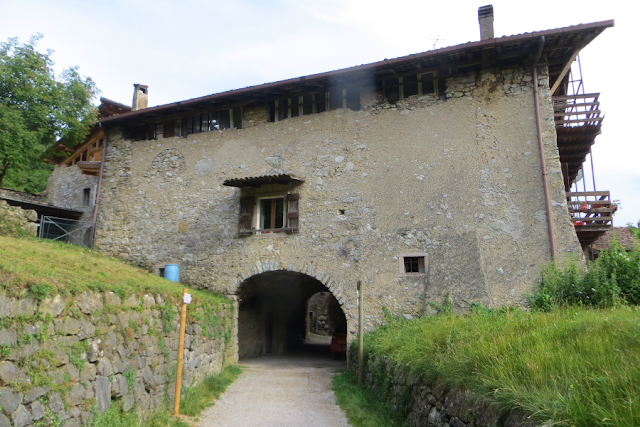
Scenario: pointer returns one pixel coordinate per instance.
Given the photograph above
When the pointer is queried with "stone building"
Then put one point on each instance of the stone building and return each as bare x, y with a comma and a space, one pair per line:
73, 185
421, 176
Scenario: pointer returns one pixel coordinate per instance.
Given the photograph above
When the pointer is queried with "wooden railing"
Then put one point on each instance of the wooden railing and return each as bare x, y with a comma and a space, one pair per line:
591, 209
577, 110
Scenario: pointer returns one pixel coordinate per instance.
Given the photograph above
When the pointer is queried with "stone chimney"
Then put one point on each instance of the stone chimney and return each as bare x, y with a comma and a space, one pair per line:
485, 17
140, 97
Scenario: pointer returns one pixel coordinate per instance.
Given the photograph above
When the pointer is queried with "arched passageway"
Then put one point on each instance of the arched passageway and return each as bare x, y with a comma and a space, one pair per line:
273, 314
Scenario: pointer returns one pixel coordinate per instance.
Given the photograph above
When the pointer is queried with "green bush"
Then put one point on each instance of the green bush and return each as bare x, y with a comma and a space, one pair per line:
612, 279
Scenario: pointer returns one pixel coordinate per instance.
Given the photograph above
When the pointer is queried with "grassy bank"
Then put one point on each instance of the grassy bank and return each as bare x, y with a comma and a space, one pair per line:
44, 268
575, 366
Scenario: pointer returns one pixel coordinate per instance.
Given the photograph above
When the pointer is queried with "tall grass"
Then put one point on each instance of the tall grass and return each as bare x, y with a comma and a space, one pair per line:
575, 366
362, 406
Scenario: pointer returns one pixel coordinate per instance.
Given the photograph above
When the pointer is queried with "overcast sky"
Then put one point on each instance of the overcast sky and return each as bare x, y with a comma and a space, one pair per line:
191, 48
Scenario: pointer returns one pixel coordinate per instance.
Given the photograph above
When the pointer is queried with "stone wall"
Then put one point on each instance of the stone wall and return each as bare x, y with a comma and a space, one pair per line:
14, 216
62, 356
430, 404
458, 179
65, 189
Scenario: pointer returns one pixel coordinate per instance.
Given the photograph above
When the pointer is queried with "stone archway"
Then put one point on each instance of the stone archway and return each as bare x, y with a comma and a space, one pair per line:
273, 309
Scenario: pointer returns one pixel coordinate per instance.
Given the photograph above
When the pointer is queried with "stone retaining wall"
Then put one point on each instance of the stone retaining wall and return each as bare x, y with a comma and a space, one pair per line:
15, 216
63, 357
423, 403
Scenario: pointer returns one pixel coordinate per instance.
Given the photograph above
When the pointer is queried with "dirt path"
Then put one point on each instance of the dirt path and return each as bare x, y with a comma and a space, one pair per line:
282, 391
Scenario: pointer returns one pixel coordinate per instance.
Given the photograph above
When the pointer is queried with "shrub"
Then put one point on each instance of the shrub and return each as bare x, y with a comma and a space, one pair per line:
614, 278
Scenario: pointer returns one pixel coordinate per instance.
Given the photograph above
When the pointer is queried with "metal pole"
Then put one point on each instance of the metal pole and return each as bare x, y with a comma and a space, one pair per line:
543, 163
360, 333
183, 319
103, 159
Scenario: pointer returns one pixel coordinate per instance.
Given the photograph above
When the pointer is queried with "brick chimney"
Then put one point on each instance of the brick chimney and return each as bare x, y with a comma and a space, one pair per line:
140, 97
485, 17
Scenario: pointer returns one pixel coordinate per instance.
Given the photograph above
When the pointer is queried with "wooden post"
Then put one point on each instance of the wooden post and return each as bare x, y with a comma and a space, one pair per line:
183, 320
360, 332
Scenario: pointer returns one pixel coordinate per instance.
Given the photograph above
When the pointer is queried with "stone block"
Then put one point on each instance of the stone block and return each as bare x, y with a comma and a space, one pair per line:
7, 306
52, 306
127, 402
75, 396
72, 422
132, 302
31, 228
68, 326
21, 417
60, 357
102, 388
148, 378
94, 351
31, 215
56, 405
88, 372
8, 337
119, 386
89, 302
37, 410
26, 307
73, 372
111, 298
148, 301
8, 373
86, 329
103, 367
18, 353
9, 401
35, 393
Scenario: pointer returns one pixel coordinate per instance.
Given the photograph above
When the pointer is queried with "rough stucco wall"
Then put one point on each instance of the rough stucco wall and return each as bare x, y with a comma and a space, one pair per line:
459, 179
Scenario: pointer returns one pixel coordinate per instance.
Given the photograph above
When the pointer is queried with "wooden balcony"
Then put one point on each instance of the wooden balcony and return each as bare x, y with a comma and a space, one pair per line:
578, 121
591, 213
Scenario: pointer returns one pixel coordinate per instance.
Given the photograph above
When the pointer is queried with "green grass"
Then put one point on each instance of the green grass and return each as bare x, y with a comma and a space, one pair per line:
195, 400
576, 366
362, 406
163, 419
44, 268
202, 396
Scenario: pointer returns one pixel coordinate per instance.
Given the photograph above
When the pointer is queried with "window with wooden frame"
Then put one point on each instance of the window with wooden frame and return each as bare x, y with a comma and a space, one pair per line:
272, 214
398, 88
156, 131
413, 264
340, 96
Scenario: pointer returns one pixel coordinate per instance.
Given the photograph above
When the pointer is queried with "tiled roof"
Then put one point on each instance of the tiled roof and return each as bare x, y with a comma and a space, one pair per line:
621, 234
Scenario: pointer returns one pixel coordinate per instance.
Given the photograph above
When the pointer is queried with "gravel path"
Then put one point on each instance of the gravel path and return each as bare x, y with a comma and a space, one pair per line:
280, 391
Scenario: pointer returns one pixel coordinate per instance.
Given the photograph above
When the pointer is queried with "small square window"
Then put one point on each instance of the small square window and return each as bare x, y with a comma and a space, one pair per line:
413, 264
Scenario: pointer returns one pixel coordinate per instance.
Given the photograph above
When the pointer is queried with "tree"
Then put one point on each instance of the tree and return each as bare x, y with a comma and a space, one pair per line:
37, 108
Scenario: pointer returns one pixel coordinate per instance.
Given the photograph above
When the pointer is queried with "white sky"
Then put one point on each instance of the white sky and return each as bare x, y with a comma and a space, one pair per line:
193, 48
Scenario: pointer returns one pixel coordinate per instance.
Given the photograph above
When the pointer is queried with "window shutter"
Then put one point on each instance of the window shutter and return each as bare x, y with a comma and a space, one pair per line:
293, 213
246, 215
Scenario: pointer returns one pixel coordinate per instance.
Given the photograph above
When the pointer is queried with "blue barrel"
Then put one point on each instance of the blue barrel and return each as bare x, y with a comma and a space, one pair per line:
172, 272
